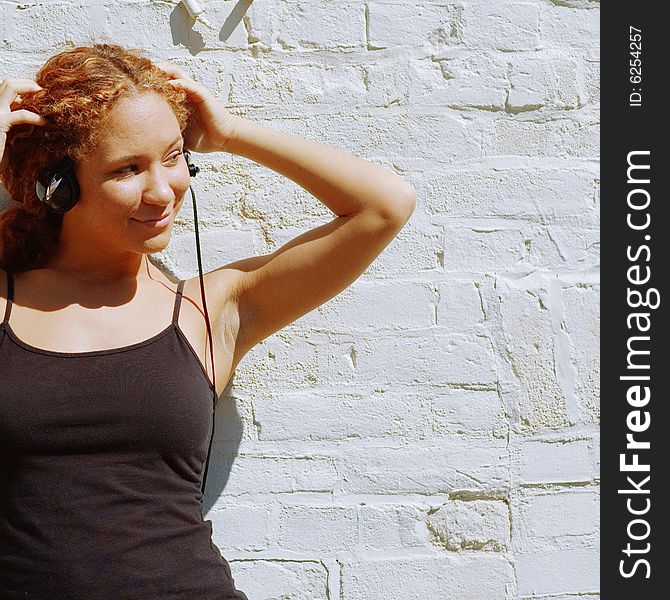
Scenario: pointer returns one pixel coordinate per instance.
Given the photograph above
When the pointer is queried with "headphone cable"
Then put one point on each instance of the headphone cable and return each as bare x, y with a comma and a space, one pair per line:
209, 333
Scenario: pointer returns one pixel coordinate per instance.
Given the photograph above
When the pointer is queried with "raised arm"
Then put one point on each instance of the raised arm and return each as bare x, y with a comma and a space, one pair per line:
372, 205
255, 297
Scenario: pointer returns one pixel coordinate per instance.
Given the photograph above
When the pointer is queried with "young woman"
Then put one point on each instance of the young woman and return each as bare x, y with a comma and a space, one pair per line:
105, 386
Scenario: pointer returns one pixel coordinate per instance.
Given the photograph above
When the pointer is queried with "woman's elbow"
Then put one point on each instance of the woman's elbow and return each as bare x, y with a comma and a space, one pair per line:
401, 210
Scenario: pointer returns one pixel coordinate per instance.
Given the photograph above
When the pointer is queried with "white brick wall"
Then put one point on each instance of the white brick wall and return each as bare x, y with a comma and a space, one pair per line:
432, 432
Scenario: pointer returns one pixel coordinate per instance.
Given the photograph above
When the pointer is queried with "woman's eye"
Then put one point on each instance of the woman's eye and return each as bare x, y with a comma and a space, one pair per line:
123, 171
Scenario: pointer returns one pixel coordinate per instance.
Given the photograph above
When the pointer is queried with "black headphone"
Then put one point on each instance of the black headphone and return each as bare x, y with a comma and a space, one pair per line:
58, 190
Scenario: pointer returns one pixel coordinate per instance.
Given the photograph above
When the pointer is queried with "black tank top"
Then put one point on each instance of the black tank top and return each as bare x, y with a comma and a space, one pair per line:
101, 459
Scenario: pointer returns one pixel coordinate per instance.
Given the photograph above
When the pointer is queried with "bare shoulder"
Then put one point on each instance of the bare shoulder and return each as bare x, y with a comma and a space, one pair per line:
221, 293
222, 287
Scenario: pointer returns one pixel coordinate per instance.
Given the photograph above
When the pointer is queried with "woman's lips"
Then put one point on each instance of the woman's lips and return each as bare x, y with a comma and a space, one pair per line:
157, 223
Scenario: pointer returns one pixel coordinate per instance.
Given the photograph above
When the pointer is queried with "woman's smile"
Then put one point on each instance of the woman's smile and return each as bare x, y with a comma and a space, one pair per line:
156, 223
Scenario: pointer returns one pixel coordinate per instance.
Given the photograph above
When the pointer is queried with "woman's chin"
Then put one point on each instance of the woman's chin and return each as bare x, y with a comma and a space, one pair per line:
157, 242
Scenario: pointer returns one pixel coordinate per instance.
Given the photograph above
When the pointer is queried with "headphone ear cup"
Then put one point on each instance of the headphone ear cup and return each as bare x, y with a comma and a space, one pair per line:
65, 193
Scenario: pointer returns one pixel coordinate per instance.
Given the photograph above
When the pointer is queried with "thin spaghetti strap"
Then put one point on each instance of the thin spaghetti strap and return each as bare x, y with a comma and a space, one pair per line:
10, 296
177, 302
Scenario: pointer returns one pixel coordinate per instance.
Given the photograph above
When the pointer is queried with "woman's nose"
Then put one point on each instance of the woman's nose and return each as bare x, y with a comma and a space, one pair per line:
160, 187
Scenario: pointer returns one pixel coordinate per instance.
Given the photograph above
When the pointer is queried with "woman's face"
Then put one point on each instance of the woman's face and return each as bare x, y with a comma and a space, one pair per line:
136, 173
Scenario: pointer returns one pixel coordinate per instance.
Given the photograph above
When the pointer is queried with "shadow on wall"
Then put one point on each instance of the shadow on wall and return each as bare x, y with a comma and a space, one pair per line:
228, 430
181, 26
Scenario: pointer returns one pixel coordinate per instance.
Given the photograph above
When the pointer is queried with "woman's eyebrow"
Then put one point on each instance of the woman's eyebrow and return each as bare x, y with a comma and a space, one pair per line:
134, 156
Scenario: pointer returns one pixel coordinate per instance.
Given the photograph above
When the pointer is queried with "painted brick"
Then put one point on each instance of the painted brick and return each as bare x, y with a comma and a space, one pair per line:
265, 579
442, 358
304, 26
392, 527
530, 351
470, 525
570, 28
182, 248
275, 474
339, 416
545, 462
566, 515
241, 527
569, 243
423, 24
416, 578
377, 306
548, 80
558, 571
275, 83
413, 469
458, 79
353, 360
6, 11
509, 193
388, 81
560, 137
410, 136
506, 27
482, 249
578, 596
418, 247
26, 27
459, 305
143, 25
589, 81
317, 528
468, 414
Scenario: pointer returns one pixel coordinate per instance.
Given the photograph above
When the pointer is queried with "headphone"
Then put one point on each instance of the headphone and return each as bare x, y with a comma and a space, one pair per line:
58, 190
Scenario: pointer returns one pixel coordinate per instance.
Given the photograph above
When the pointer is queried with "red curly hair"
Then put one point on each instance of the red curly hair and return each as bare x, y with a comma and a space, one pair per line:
80, 87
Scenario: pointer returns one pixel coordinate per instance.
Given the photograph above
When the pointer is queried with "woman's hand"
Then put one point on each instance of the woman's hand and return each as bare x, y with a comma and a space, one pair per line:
10, 90
213, 125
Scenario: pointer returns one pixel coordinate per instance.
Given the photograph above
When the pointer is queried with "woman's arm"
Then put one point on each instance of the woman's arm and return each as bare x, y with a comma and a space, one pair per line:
372, 204
270, 291
345, 183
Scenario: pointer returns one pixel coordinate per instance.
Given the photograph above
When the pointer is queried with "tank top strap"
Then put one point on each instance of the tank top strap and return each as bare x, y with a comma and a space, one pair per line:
177, 302
10, 296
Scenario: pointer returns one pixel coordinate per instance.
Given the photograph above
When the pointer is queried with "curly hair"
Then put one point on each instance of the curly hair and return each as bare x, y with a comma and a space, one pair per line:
80, 87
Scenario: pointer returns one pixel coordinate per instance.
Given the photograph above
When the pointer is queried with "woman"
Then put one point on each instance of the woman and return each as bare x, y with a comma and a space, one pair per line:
104, 421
